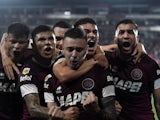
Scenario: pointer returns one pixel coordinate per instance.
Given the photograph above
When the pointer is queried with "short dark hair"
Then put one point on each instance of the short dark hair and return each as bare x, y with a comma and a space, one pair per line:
18, 30
127, 21
39, 29
85, 21
76, 33
62, 24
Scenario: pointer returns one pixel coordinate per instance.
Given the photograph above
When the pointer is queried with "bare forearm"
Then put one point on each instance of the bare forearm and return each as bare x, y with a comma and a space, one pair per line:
109, 47
109, 112
156, 95
39, 112
34, 107
64, 73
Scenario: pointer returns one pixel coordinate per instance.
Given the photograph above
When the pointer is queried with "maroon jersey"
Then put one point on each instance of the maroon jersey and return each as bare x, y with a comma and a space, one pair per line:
31, 81
10, 97
74, 93
134, 84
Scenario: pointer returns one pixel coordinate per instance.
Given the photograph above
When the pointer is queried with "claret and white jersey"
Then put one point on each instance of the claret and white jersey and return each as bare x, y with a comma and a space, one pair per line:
134, 84
75, 92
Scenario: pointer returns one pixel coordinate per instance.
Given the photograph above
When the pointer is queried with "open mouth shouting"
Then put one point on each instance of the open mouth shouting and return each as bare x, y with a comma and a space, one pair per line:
126, 45
48, 50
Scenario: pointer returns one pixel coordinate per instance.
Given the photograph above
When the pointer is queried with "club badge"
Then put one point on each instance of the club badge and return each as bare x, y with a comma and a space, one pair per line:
136, 74
88, 84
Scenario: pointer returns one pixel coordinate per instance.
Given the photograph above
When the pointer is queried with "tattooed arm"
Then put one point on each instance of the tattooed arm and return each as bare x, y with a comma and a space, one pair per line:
52, 112
34, 107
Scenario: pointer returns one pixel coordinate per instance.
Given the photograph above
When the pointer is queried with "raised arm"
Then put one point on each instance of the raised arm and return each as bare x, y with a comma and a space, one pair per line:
110, 47
65, 73
8, 64
138, 52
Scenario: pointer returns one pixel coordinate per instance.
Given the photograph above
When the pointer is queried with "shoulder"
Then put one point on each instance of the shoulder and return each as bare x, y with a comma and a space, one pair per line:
59, 59
149, 61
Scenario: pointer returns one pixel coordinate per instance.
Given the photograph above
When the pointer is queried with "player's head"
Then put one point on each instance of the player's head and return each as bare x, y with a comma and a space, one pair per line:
59, 30
43, 41
75, 47
17, 39
126, 36
90, 27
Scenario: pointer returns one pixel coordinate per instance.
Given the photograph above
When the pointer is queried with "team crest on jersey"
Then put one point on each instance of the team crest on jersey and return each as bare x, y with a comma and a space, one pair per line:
25, 71
47, 77
88, 84
136, 74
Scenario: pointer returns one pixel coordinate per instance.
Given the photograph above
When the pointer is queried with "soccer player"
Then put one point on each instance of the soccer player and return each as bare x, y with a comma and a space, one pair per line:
10, 97
64, 73
74, 93
59, 30
134, 83
34, 72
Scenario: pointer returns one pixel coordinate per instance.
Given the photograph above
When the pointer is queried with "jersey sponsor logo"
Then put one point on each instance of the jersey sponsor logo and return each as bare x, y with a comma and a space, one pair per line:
25, 71
88, 83
136, 74
26, 78
130, 86
73, 99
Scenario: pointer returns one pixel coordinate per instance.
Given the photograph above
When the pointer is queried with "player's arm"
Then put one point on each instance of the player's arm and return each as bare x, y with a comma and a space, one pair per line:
34, 108
55, 112
110, 47
106, 113
156, 96
51, 113
64, 73
138, 52
8, 64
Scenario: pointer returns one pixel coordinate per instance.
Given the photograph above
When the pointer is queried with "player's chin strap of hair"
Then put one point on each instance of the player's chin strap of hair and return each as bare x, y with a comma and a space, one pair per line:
108, 112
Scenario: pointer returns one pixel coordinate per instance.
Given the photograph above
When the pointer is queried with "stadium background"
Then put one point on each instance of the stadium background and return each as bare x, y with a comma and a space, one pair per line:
146, 14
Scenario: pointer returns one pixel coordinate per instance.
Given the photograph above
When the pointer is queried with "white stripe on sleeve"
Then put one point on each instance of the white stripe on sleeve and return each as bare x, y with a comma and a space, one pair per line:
28, 89
157, 83
48, 97
108, 91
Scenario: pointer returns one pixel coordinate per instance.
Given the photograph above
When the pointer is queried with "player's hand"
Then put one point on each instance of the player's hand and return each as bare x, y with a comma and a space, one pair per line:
91, 103
9, 66
138, 52
118, 107
55, 113
71, 113
101, 60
